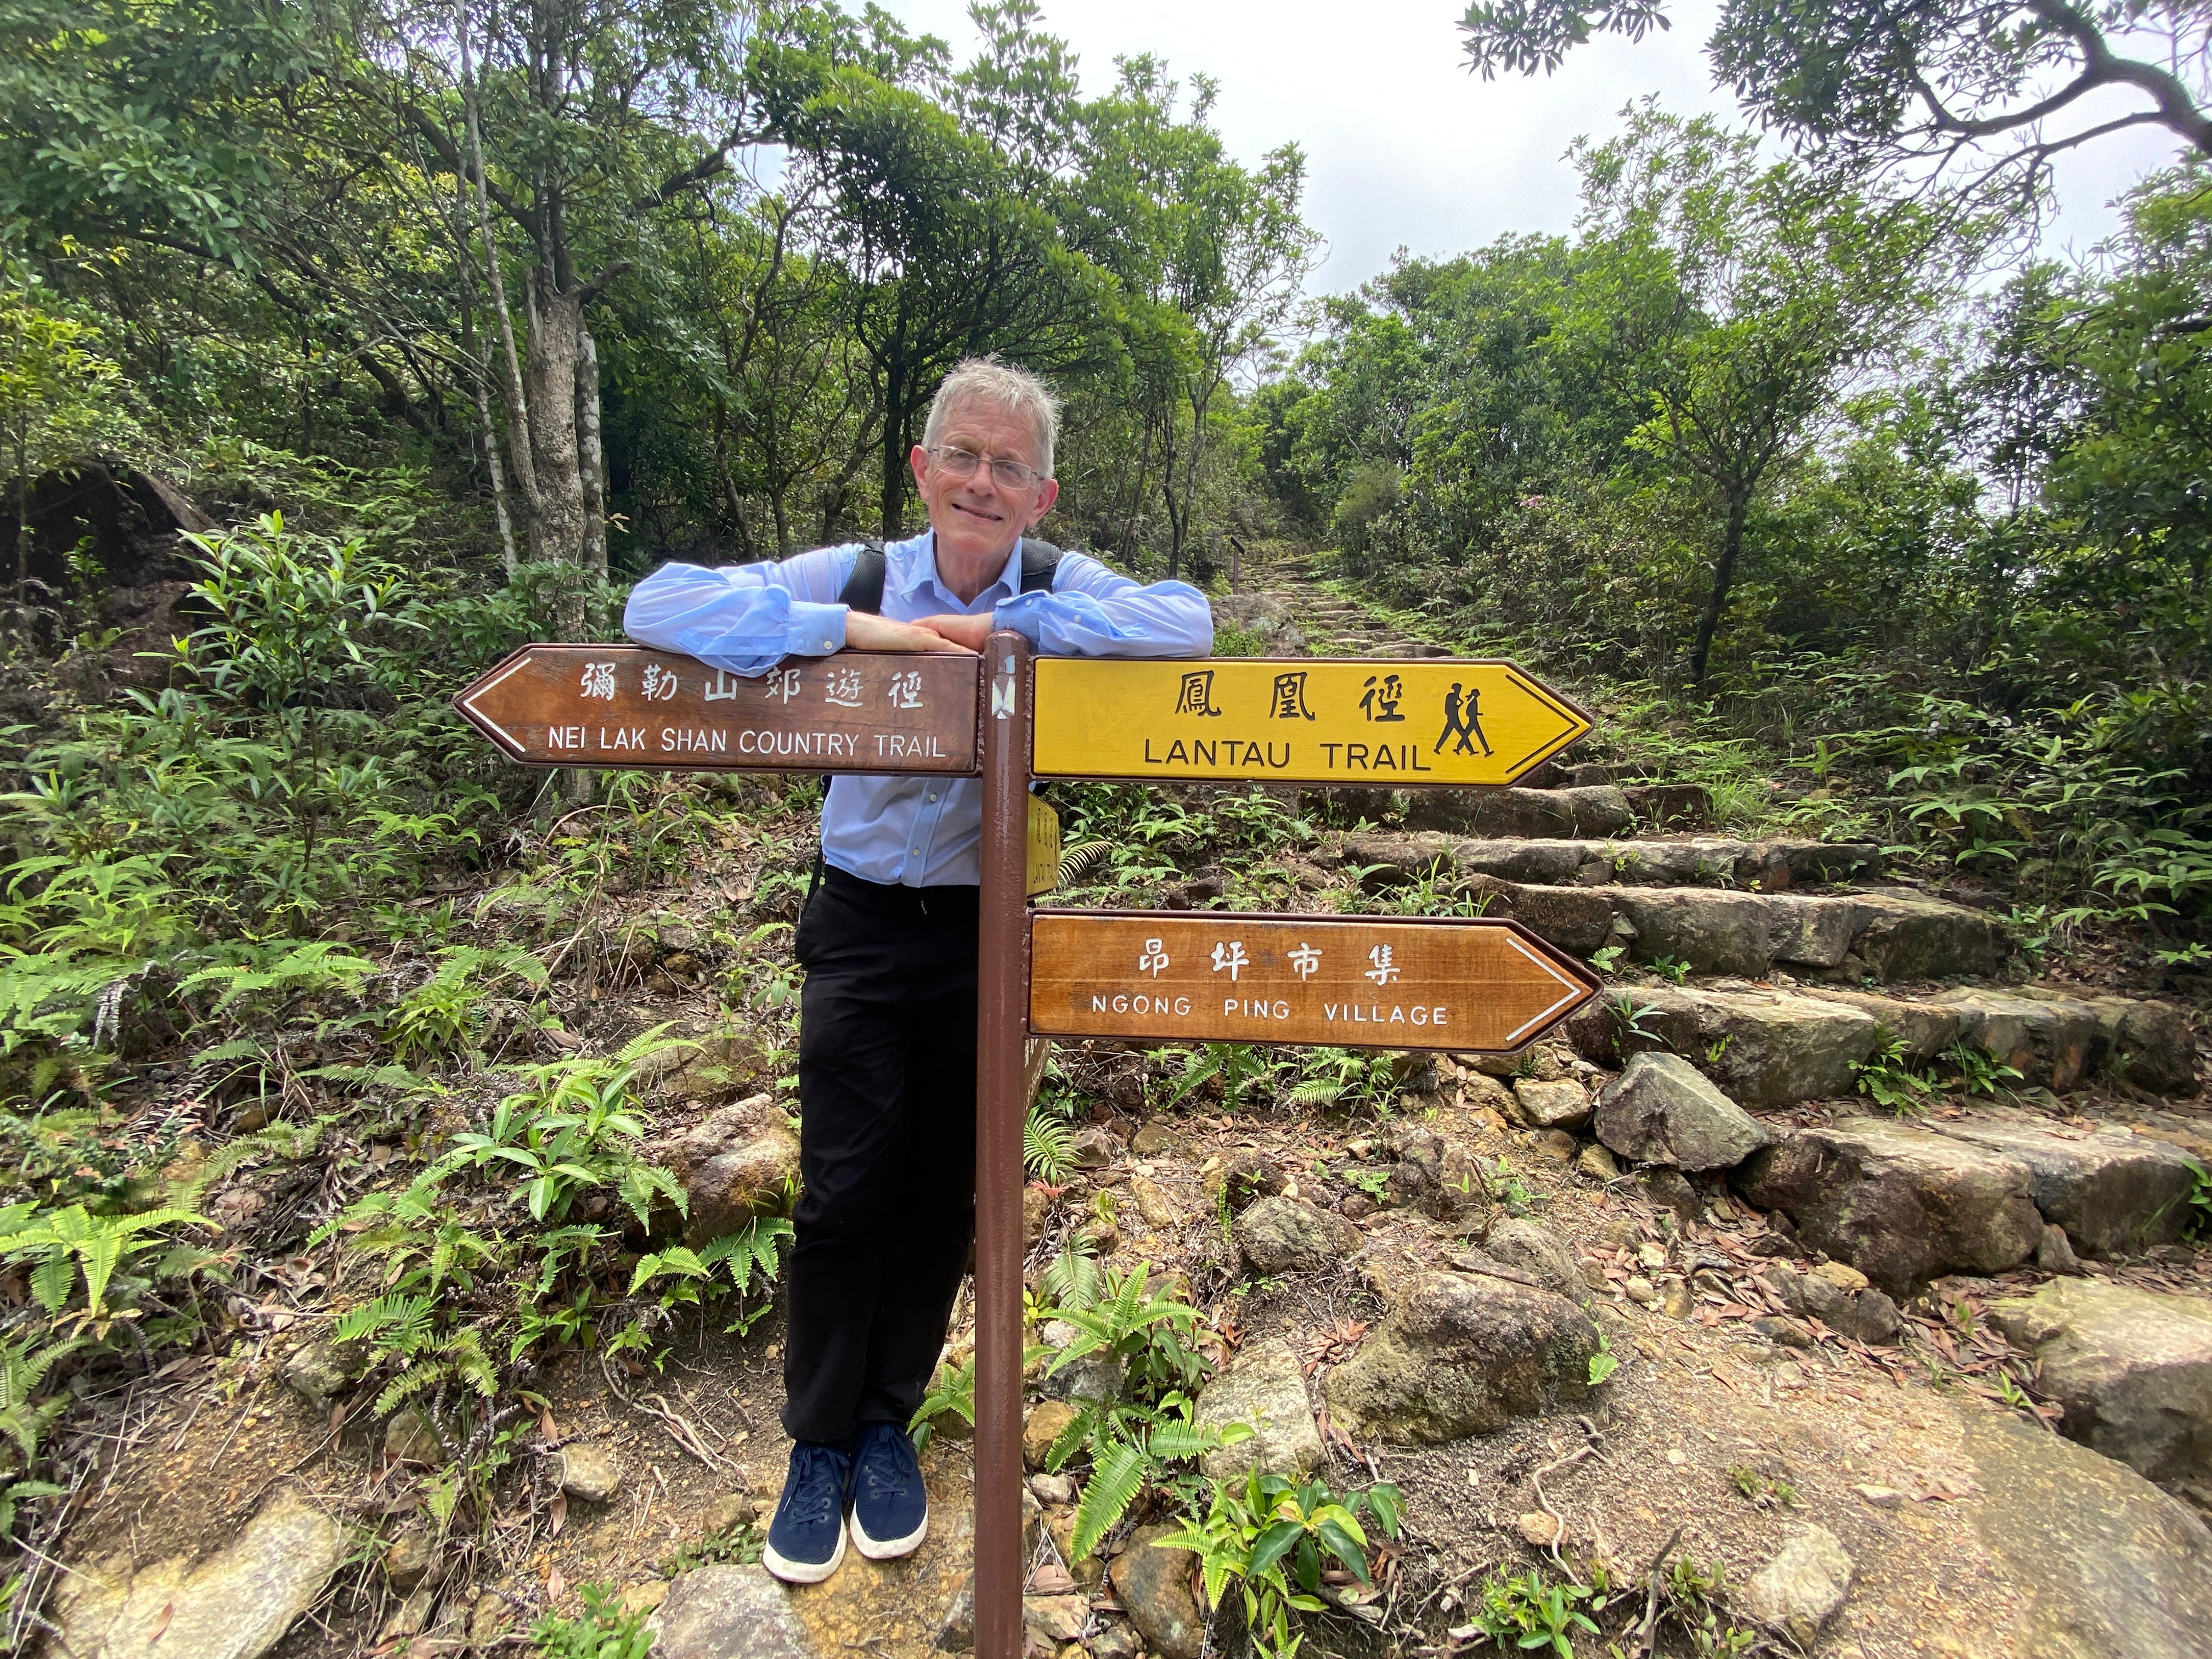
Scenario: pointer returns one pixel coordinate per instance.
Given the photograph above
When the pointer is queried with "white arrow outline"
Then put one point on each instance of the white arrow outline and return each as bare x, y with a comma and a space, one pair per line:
1574, 990
469, 703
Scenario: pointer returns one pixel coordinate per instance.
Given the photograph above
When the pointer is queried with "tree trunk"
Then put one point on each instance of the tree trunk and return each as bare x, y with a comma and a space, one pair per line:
1724, 575
555, 456
591, 457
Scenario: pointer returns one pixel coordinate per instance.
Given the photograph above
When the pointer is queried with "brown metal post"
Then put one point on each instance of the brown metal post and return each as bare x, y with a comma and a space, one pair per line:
1001, 1019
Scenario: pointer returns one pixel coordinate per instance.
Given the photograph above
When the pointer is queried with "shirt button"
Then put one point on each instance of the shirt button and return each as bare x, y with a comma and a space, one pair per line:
932, 798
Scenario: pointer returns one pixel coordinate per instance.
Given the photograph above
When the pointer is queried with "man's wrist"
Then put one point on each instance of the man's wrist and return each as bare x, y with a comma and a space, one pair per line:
816, 630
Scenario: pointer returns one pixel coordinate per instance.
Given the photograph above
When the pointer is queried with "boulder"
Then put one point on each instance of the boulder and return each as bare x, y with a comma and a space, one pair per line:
737, 1162
1802, 1588
1662, 1109
730, 1612
2047, 1040
1852, 1309
1461, 1355
235, 1605
1714, 931
2105, 1565
1265, 1387
1598, 810
2150, 1044
1901, 1203
1288, 1235
1763, 1049
1153, 1585
1902, 934
2132, 1368
2110, 1190
320, 1371
1435, 1176
591, 1471
1535, 1251
1565, 1104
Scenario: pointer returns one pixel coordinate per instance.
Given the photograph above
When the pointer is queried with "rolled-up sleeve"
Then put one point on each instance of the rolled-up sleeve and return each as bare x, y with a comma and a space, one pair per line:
1092, 611
744, 618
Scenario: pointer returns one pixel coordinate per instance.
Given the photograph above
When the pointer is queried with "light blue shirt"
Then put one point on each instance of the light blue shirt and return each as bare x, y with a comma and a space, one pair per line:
907, 831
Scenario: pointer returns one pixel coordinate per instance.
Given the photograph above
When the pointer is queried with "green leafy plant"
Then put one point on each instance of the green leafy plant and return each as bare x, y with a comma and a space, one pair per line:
1273, 1538
1346, 1080
753, 1253
1670, 967
952, 1392
69, 1247
1604, 1363
601, 1631
418, 1347
1889, 1082
1978, 1071
1532, 1613
1048, 1146
1242, 1067
1606, 957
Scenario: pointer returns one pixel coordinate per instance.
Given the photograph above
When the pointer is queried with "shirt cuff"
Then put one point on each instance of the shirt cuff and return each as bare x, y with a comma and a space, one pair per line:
816, 630
1023, 615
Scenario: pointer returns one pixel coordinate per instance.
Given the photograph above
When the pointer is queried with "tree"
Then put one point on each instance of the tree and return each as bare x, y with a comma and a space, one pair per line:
1742, 298
1879, 81
56, 397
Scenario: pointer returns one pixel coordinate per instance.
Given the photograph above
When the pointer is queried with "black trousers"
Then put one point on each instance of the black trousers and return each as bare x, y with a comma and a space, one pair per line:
887, 1149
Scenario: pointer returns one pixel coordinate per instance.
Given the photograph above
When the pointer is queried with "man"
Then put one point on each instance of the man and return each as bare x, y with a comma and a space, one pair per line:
887, 1018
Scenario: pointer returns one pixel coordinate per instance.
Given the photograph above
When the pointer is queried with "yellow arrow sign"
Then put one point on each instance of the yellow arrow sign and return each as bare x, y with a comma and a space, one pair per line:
1390, 723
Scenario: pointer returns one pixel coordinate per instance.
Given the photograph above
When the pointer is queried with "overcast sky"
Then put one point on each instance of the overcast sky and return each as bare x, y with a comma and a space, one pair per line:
1403, 146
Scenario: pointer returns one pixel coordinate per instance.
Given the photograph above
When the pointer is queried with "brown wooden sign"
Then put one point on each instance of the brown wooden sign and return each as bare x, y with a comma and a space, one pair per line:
626, 706
1352, 982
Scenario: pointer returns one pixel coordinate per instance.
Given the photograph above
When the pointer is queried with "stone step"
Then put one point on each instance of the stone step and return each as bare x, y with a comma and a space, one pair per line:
1602, 810
1884, 933
1771, 1048
1695, 861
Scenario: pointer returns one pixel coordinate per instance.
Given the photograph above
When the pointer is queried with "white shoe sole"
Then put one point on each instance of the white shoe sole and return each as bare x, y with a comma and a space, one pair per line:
893, 1548
804, 1572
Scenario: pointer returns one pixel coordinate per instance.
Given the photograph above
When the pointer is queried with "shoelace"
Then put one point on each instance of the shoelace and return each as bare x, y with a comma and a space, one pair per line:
887, 1476
817, 1492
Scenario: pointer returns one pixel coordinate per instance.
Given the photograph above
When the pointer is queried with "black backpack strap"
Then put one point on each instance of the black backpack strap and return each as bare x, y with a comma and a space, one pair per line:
1040, 564
864, 588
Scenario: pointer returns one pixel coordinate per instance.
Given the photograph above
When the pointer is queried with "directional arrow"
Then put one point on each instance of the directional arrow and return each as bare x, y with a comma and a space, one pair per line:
625, 706
1370, 722
1486, 986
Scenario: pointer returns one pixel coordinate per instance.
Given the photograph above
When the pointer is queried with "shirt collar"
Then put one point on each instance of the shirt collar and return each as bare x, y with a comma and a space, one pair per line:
911, 566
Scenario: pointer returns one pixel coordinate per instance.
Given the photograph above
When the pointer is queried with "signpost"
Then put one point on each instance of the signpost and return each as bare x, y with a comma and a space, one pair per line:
1398, 982
1373, 723
624, 706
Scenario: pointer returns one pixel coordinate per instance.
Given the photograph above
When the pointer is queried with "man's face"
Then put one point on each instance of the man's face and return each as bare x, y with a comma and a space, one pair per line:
978, 519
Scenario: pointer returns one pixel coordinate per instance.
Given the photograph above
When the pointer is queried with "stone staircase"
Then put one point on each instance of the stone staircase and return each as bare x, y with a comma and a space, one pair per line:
1794, 961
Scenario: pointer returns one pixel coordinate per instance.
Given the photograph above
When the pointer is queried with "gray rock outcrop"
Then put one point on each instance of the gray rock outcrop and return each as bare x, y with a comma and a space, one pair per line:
1462, 1354
1900, 1204
1662, 1109
1266, 1387
1802, 1588
2132, 1368
1288, 1235
2110, 1190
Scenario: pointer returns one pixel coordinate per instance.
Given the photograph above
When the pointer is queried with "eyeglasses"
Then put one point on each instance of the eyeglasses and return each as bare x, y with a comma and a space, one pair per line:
962, 464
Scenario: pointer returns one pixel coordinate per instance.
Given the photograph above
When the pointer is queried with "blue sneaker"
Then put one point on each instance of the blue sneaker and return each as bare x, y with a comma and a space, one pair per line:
891, 1510
806, 1539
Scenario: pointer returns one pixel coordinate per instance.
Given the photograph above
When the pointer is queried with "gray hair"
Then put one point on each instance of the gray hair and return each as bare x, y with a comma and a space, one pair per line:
987, 382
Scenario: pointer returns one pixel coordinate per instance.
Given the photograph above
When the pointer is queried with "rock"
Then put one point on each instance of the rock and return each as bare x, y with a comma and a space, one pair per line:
2131, 1368
1802, 1588
2055, 1254
1841, 1275
1085, 1570
408, 1560
1864, 1315
1557, 1145
2110, 1190
1037, 1211
1044, 1423
235, 1605
1265, 1387
1153, 1205
1097, 1375
1461, 1355
1773, 1049
1662, 1110
1249, 1179
1783, 1333
1901, 1203
1539, 1530
409, 1439
1154, 1585
1639, 1289
2150, 1044
1679, 1301
1092, 1148
591, 1471
1532, 814
955, 1631
1880, 1498
1597, 1163
1902, 934
1434, 1177
320, 1371
2109, 1566
488, 1618
1055, 1618
644, 1595
1117, 1641
409, 1620
732, 1509
1670, 1189
1531, 1249
1669, 805
756, 1176
1155, 1141
730, 1612
1561, 1105
1285, 1235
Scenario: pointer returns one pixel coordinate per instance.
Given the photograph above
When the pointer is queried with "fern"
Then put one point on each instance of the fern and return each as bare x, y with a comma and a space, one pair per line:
1072, 1278
1048, 1149
1080, 859
22, 1370
954, 1391
289, 1141
1115, 1480
1316, 1094
297, 965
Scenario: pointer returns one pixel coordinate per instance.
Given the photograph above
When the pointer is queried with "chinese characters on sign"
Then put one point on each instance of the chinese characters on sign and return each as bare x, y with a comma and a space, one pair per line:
1196, 695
